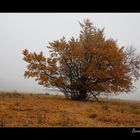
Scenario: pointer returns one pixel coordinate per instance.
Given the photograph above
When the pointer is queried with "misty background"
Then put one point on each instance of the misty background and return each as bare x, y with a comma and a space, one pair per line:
33, 31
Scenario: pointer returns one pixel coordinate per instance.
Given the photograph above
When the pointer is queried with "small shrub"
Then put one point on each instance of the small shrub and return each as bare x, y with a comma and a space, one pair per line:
64, 120
93, 116
41, 117
2, 121
120, 108
104, 107
136, 111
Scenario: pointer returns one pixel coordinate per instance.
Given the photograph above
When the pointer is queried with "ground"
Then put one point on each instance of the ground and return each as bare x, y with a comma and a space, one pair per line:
40, 110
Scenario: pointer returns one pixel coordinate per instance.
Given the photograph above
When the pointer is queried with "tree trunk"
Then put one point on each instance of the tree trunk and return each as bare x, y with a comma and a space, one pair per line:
82, 94
94, 96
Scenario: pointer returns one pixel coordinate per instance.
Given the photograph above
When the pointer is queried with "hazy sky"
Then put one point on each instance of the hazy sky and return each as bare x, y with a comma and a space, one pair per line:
34, 30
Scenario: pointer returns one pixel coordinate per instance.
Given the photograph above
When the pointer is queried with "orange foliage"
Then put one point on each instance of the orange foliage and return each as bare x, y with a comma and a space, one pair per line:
85, 66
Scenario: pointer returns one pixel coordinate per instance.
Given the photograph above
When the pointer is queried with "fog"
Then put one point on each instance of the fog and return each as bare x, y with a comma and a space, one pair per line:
33, 31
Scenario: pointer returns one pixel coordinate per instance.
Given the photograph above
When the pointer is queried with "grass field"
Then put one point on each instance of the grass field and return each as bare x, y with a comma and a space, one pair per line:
38, 110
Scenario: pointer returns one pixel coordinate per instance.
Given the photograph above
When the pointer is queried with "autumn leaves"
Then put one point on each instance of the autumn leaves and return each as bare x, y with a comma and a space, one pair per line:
86, 66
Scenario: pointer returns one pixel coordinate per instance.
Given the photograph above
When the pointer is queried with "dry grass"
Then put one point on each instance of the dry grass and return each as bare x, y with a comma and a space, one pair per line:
36, 110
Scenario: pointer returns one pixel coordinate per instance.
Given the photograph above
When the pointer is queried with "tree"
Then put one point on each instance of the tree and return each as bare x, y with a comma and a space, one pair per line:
86, 66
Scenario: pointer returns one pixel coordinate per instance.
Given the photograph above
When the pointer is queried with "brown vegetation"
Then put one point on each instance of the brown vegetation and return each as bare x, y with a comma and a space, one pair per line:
86, 66
38, 110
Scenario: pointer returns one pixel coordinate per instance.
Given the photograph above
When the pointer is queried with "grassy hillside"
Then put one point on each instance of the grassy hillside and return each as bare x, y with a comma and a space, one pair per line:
36, 110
